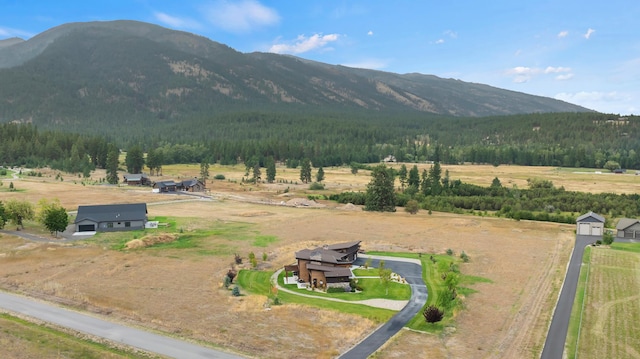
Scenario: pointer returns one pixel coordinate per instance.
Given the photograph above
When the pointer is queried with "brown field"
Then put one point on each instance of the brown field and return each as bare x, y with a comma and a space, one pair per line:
178, 290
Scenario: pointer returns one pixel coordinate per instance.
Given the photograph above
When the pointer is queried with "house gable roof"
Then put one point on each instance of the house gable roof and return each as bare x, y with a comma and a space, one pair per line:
625, 223
595, 216
112, 212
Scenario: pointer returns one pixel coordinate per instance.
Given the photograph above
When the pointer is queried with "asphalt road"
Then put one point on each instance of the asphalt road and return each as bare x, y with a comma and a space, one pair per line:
115, 332
412, 272
557, 335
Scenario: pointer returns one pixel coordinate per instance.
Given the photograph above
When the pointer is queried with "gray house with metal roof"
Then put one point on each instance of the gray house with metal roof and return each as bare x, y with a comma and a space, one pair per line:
628, 228
111, 217
590, 224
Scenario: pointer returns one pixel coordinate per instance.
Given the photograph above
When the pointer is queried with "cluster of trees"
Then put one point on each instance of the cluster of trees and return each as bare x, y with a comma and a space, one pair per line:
569, 140
431, 190
49, 213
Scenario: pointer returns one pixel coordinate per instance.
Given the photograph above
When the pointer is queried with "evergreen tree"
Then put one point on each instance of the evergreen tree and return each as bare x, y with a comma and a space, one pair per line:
112, 164
320, 175
256, 172
204, 171
271, 170
402, 176
305, 170
380, 194
414, 177
134, 159
153, 161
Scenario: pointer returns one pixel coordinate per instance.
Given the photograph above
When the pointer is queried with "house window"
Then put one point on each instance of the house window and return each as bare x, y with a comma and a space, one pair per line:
127, 224
110, 225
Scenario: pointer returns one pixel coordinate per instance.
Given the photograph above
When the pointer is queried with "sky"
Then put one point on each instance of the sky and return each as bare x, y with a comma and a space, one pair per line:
582, 52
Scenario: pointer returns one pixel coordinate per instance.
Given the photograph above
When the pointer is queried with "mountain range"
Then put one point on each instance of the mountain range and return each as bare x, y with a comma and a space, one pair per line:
133, 71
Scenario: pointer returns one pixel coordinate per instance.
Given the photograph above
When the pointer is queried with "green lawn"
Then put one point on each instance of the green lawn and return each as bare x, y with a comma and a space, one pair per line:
258, 282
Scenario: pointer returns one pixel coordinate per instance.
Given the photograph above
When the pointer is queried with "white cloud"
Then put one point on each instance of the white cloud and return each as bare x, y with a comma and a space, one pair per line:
564, 77
370, 33
451, 34
372, 64
562, 34
240, 16
304, 44
588, 34
176, 22
523, 74
440, 41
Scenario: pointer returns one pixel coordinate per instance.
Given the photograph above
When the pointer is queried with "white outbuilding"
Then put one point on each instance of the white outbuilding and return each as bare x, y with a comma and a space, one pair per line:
590, 224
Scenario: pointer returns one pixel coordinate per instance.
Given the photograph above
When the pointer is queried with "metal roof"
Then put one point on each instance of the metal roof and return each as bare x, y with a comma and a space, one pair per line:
625, 223
596, 216
112, 212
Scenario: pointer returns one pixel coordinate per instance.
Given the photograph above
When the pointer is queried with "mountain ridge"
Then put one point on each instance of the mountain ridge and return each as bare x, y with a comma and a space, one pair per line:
143, 72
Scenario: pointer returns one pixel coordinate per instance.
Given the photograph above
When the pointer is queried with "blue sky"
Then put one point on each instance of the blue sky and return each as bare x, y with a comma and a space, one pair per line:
583, 52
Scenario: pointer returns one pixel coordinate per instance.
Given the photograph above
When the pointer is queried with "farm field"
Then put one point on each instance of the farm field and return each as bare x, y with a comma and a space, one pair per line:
178, 289
609, 319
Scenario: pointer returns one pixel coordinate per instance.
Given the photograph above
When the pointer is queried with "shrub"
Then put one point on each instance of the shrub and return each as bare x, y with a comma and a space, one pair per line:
235, 291
412, 206
449, 251
316, 186
219, 177
607, 238
464, 257
432, 314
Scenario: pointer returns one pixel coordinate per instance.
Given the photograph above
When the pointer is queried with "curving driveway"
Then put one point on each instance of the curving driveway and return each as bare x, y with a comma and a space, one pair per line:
412, 272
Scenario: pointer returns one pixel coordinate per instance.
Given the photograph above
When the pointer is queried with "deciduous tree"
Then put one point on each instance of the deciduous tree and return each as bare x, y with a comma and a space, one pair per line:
19, 211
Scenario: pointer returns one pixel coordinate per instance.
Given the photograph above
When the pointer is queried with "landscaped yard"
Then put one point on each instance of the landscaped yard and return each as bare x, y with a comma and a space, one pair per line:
606, 317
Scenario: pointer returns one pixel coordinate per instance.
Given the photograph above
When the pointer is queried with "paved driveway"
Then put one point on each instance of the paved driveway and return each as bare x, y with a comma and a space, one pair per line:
412, 272
557, 335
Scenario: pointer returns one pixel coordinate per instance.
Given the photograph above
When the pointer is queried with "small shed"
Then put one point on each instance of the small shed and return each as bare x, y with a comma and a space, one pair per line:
590, 224
628, 228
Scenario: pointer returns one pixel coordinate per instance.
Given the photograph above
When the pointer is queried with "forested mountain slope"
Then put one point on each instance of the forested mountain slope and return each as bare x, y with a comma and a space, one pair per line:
121, 77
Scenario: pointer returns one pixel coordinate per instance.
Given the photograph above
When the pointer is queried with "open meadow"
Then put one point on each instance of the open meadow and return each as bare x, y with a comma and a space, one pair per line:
607, 311
177, 288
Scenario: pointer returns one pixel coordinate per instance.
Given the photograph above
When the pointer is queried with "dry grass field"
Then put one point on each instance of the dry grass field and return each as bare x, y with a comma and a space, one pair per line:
610, 322
179, 290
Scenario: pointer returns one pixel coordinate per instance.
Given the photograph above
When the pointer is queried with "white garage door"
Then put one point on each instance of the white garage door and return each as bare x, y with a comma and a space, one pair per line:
596, 230
584, 229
